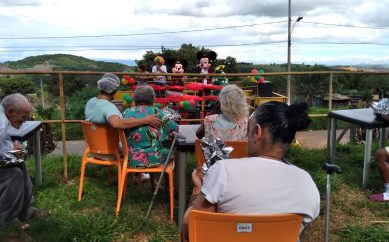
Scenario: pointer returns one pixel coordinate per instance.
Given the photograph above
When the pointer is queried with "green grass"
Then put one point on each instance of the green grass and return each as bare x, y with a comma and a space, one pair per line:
93, 219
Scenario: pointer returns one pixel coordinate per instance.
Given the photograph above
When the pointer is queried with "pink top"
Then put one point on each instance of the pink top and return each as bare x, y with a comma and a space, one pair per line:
220, 127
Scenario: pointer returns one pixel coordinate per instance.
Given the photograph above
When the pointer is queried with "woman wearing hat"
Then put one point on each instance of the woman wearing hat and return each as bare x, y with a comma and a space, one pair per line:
101, 110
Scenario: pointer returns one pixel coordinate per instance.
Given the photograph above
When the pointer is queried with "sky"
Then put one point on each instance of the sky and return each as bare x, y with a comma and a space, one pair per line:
332, 32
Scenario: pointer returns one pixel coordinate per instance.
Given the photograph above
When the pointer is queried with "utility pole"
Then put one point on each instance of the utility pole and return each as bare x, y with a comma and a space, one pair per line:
288, 83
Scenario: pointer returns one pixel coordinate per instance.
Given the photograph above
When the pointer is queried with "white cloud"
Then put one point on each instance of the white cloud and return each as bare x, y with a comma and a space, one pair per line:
68, 18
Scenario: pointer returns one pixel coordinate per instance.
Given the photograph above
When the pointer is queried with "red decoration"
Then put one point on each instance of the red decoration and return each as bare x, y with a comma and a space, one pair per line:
194, 86
212, 87
213, 98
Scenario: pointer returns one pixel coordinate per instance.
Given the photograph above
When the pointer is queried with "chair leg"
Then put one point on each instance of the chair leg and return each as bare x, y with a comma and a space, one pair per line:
81, 180
125, 186
171, 191
119, 175
120, 192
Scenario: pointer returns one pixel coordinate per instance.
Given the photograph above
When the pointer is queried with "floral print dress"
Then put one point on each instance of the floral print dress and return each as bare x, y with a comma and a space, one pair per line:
145, 147
220, 127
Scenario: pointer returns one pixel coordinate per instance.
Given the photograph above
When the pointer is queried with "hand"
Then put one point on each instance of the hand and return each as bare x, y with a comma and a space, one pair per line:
197, 179
18, 146
154, 121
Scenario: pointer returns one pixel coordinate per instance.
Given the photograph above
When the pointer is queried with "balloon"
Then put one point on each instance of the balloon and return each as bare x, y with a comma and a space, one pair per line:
262, 79
181, 104
257, 78
252, 79
158, 105
124, 81
127, 77
261, 71
254, 71
187, 105
192, 102
127, 98
131, 80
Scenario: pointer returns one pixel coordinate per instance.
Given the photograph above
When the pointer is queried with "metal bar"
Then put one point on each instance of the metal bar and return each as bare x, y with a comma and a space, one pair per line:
382, 137
330, 92
344, 131
181, 177
328, 193
367, 157
37, 157
160, 178
63, 127
331, 141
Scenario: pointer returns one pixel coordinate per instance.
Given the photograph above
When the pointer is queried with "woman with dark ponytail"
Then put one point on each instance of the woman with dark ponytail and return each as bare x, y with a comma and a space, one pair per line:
263, 183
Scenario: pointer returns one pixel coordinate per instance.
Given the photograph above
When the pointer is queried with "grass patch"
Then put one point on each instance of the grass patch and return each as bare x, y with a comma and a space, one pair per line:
93, 219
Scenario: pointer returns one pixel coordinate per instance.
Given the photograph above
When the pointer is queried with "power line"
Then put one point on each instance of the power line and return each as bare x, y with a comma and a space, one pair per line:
346, 25
340, 43
129, 48
139, 34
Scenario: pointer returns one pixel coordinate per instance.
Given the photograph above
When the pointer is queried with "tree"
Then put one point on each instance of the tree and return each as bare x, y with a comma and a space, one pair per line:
76, 104
16, 84
186, 52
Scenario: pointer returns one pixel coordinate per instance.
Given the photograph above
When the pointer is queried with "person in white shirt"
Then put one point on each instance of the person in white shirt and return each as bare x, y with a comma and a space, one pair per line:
263, 183
159, 67
15, 185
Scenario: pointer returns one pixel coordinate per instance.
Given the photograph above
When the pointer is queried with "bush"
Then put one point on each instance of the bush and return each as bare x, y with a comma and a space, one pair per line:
18, 84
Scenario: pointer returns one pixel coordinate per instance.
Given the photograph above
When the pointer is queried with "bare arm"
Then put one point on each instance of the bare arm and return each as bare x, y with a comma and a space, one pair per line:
123, 123
200, 132
199, 202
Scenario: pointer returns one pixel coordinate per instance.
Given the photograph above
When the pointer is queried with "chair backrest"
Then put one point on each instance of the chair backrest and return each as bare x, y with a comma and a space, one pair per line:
206, 226
101, 138
240, 150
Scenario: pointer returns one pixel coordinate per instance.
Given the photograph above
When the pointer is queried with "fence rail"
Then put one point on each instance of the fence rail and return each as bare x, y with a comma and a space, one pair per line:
62, 74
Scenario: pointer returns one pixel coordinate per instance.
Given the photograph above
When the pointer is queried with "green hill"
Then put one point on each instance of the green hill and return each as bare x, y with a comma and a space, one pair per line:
64, 62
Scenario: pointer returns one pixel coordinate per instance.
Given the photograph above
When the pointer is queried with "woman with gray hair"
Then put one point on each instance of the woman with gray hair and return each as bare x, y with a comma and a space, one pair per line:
145, 147
230, 122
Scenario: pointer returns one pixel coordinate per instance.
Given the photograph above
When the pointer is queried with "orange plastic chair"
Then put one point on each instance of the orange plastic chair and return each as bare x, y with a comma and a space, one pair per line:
207, 226
159, 169
240, 150
101, 139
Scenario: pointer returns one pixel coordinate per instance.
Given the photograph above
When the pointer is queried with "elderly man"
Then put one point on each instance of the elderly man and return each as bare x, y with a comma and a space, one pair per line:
15, 184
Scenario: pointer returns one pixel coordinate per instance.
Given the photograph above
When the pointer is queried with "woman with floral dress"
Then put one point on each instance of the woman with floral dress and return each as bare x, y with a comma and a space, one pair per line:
145, 147
229, 120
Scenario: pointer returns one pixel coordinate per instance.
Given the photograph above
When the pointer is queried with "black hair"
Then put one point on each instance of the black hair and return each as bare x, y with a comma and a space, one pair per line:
282, 121
142, 67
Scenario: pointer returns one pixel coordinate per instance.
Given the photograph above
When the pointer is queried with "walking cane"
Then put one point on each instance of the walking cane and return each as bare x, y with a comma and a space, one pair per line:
176, 136
330, 168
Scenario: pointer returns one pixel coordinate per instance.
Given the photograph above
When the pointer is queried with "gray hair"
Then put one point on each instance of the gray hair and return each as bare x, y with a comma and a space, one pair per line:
108, 83
144, 94
233, 102
16, 101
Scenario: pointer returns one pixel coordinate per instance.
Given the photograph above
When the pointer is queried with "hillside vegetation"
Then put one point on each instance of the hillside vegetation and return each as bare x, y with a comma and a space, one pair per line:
65, 62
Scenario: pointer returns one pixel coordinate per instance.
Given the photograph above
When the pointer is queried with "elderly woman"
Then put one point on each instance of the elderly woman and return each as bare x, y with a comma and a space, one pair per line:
145, 142
101, 110
230, 122
263, 183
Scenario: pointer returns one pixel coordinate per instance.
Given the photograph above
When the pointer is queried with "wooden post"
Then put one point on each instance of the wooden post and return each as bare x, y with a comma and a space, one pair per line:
330, 93
63, 127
